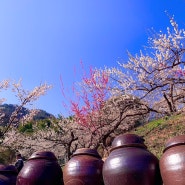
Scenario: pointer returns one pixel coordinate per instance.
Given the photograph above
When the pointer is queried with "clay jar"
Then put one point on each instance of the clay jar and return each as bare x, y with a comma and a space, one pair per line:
130, 163
41, 168
8, 174
84, 168
172, 162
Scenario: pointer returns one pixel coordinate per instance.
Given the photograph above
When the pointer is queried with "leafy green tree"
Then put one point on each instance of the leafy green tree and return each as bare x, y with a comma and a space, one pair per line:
26, 128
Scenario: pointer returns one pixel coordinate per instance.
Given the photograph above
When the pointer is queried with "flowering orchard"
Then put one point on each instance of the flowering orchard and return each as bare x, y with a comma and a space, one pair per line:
151, 83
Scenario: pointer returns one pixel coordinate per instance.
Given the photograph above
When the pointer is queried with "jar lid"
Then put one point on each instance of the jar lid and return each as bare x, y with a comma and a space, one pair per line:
174, 141
43, 155
86, 151
8, 168
128, 140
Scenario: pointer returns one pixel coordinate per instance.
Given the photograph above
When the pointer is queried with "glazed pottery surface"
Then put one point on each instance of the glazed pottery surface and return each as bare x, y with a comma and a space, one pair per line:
130, 163
41, 168
8, 174
84, 168
172, 162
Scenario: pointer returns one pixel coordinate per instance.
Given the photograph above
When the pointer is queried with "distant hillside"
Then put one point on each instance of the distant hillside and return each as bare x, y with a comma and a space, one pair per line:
7, 109
42, 114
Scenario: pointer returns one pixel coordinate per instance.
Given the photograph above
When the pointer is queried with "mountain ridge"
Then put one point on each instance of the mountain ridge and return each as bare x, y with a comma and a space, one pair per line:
7, 109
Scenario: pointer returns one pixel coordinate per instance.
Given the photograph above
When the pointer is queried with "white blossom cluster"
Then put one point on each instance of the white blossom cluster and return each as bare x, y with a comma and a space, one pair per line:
30, 116
155, 75
25, 97
4, 84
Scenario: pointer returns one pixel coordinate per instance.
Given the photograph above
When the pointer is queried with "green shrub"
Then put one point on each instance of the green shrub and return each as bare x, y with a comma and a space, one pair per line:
27, 128
42, 124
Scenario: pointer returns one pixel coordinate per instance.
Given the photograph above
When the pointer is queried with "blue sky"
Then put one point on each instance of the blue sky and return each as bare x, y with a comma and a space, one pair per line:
41, 40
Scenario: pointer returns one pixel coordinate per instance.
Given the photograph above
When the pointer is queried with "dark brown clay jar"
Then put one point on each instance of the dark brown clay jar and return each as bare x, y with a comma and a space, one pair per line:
8, 174
41, 168
84, 168
130, 163
172, 162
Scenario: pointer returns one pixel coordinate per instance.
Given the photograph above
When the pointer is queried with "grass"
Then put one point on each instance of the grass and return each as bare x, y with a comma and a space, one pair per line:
157, 132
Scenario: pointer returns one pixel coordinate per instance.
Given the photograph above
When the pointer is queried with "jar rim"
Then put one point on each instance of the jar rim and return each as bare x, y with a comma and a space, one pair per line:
175, 141
128, 139
129, 145
43, 155
173, 145
86, 151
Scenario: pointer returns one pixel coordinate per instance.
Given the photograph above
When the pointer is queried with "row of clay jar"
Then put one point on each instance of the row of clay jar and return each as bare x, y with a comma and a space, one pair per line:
129, 163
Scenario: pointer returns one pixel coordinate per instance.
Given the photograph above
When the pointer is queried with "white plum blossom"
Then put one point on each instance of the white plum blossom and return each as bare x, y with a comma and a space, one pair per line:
4, 84
155, 75
24, 97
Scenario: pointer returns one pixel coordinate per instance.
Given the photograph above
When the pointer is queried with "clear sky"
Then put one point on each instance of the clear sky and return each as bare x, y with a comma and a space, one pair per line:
41, 40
